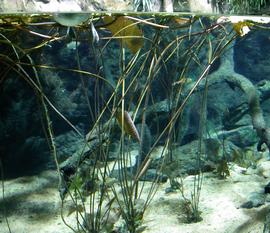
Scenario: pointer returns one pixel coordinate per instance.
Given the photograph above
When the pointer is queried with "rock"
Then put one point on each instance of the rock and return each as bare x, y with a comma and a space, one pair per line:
184, 158
212, 148
184, 161
266, 227
263, 169
247, 205
264, 87
254, 200
156, 114
267, 190
170, 190
150, 175
145, 144
243, 136
68, 143
44, 1
238, 169
251, 60
251, 171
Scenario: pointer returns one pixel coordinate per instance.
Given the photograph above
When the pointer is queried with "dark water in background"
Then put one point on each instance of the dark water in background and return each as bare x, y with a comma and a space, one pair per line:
60, 53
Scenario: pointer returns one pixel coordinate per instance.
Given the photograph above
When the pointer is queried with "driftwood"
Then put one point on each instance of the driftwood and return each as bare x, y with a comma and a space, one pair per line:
255, 110
69, 167
96, 138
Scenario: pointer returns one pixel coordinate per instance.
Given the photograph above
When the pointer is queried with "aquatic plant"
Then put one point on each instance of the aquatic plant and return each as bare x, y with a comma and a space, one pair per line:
166, 51
244, 157
4, 206
223, 168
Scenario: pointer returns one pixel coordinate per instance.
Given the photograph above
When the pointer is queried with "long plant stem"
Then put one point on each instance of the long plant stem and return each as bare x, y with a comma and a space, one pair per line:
3, 195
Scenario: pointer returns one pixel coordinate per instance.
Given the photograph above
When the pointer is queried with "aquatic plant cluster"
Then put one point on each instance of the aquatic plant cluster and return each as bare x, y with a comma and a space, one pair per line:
107, 91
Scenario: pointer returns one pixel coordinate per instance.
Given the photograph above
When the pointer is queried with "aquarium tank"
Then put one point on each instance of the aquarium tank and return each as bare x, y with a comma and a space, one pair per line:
129, 116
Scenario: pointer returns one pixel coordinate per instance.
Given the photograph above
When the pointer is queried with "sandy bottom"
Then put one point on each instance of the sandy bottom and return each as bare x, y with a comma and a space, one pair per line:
33, 205
219, 204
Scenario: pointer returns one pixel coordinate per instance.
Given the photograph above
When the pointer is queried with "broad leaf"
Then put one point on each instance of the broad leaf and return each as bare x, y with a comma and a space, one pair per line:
124, 27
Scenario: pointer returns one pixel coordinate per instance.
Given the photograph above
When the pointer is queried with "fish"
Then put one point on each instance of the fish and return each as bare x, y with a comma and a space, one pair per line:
183, 81
129, 126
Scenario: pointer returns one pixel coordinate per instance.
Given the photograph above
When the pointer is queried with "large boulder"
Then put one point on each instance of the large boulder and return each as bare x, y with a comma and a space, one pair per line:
251, 55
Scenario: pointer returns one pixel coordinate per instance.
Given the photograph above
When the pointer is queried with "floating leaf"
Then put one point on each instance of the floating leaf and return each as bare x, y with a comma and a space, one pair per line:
123, 27
242, 28
70, 19
182, 21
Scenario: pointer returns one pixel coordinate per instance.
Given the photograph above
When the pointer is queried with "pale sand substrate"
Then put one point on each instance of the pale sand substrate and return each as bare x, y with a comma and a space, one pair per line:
33, 206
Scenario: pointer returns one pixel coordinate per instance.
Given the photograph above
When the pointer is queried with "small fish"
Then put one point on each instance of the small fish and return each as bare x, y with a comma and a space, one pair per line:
183, 81
129, 126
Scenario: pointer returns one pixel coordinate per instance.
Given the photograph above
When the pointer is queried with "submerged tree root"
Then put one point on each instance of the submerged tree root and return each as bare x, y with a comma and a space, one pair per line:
255, 110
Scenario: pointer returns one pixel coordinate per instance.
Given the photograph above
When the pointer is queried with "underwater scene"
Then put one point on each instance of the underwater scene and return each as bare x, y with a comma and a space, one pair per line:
134, 122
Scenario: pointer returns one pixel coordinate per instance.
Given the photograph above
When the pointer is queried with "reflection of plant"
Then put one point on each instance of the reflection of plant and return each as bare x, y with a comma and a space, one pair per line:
235, 6
147, 5
247, 5
240, 6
